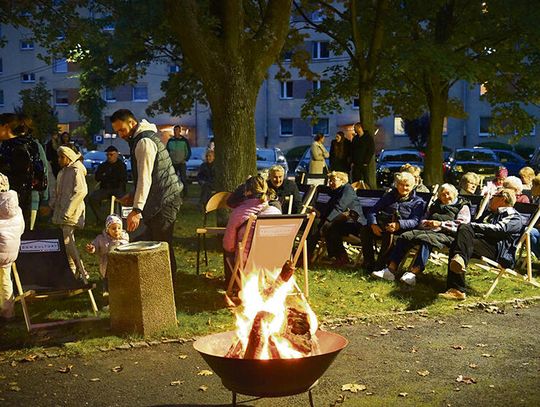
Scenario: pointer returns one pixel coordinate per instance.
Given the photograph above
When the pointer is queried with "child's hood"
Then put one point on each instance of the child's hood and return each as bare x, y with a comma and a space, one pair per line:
9, 204
78, 164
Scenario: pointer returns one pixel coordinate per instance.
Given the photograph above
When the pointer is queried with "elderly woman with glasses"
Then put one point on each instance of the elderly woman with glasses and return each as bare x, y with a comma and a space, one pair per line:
468, 184
437, 230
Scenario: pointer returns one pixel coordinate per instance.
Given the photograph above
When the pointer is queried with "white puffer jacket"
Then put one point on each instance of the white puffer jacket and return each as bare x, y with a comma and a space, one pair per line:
11, 227
71, 189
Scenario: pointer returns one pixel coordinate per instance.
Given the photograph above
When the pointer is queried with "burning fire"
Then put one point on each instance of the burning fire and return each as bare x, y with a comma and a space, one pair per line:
274, 319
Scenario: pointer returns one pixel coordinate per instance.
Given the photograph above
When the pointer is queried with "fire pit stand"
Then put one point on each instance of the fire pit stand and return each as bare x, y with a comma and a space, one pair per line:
271, 377
310, 395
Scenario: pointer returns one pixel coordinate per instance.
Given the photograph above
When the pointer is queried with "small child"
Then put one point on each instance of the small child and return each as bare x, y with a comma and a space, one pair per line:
11, 229
112, 236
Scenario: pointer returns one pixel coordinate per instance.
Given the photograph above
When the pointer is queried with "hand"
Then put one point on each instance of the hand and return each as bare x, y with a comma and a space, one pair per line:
90, 248
377, 231
126, 200
392, 227
133, 221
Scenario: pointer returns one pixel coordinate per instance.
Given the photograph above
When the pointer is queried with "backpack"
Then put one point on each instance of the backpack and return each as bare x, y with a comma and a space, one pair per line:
23, 158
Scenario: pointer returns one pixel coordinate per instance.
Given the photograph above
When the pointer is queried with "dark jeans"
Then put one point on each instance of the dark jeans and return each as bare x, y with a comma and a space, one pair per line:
467, 245
181, 171
96, 197
160, 228
368, 242
334, 237
403, 246
360, 173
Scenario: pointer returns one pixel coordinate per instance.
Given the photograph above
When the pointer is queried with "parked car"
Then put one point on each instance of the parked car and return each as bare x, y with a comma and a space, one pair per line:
511, 160
268, 157
303, 164
93, 158
194, 162
481, 161
390, 161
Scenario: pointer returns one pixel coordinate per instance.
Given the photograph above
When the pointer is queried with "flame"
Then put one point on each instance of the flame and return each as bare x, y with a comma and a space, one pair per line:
259, 292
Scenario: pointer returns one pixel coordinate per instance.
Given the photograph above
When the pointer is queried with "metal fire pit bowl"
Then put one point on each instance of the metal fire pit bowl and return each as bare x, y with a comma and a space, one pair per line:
268, 378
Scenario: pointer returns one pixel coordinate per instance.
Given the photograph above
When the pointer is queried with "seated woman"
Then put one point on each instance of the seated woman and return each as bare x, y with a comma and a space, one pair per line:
495, 237
256, 203
397, 211
535, 232
437, 230
416, 171
515, 184
526, 174
468, 184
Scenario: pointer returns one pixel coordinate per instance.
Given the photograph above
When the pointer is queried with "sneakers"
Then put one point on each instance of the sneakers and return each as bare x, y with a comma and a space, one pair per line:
453, 294
408, 278
457, 264
384, 274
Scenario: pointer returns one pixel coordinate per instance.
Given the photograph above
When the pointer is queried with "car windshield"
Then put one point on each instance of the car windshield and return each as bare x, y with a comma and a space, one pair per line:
265, 155
197, 153
400, 157
473, 155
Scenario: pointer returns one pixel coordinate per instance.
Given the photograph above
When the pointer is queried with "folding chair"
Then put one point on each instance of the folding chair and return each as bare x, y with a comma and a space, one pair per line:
272, 244
217, 201
42, 271
307, 192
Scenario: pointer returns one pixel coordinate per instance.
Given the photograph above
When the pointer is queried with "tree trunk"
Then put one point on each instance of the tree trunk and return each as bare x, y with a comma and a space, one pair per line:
437, 103
367, 118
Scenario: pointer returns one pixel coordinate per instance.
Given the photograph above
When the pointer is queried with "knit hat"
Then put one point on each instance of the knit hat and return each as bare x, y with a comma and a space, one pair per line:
111, 220
4, 183
69, 153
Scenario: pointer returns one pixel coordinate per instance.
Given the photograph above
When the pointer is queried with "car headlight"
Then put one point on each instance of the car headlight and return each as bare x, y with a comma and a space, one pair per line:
458, 168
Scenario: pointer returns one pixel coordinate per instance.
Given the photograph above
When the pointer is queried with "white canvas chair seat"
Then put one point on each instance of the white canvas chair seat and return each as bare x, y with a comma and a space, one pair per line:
272, 244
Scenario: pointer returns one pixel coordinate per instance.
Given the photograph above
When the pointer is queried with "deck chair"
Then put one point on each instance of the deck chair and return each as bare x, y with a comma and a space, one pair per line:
530, 213
307, 192
217, 201
313, 179
272, 244
42, 272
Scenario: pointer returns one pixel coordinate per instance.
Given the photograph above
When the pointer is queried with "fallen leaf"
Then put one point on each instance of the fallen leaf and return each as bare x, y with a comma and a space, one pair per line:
414, 350
368, 393
353, 387
423, 373
13, 363
487, 355
117, 369
465, 379
410, 326
473, 366
182, 357
30, 358
15, 388
384, 332
481, 345
403, 394
95, 379
177, 382
205, 373
466, 326
441, 322
65, 369
491, 386
458, 347
203, 388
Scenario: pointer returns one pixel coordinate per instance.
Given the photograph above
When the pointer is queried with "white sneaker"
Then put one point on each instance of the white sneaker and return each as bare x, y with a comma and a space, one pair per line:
408, 278
384, 274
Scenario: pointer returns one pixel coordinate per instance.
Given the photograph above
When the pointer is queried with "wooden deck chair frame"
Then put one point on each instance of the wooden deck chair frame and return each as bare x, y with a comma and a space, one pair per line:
308, 199
278, 220
24, 296
216, 201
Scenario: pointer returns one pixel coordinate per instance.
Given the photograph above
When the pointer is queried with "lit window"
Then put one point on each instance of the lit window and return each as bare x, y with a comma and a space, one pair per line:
286, 90
320, 50
109, 95
399, 127
286, 127
61, 97
28, 77
483, 89
140, 93
60, 65
485, 122
321, 127
27, 45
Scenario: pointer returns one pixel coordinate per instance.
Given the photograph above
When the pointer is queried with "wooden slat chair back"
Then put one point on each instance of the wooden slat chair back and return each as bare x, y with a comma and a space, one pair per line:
216, 201
272, 244
42, 271
308, 193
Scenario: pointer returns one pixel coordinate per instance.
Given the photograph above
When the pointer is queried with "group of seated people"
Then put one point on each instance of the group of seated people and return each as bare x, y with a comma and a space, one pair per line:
401, 219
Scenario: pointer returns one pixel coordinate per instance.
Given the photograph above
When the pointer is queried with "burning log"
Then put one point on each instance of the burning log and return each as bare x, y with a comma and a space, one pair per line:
255, 344
284, 276
235, 351
298, 331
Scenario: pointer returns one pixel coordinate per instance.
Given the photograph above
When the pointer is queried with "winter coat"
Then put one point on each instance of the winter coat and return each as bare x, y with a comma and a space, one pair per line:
407, 212
341, 200
503, 229
104, 243
317, 164
11, 227
71, 188
235, 229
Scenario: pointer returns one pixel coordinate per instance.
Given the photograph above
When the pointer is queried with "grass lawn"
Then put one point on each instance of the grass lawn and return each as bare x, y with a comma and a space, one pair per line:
334, 294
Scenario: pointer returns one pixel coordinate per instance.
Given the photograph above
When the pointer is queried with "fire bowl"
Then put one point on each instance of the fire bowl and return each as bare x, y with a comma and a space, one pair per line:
272, 377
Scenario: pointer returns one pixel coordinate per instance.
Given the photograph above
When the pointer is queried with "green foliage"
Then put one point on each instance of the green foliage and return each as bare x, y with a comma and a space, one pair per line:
35, 104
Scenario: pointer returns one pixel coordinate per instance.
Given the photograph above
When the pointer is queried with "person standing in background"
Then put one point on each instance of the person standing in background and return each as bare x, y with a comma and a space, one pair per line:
319, 154
362, 150
339, 154
180, 152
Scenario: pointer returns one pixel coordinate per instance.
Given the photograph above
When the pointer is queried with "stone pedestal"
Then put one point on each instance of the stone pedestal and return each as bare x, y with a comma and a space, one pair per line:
141, 296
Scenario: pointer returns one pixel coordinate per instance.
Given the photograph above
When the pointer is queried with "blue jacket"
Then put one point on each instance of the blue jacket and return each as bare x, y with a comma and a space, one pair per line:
409, 211
342, 199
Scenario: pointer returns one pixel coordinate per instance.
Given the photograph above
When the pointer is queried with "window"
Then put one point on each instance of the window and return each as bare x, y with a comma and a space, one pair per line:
210, 128
320, 50
174, 68
356, 103
287, 55
286, 90
321, 127
317, 85
286, 127
1, 66
27, 45
28, 77
60, 65
109, 95
61, 97
483, 89
1, 97
140, 93
399, 127
485, 122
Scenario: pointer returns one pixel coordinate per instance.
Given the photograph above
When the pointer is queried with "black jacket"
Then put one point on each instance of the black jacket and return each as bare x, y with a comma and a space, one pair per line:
286, 189
112, 175
362, 149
